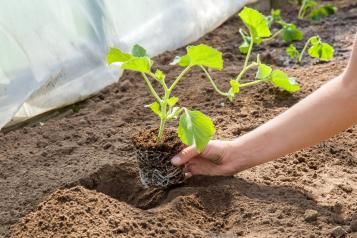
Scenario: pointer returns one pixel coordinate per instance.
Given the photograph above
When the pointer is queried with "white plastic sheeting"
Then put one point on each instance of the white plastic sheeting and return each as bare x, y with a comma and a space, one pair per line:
52, 53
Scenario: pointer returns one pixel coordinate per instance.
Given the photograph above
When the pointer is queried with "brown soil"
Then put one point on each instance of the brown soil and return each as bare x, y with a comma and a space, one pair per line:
154, 157
311, 193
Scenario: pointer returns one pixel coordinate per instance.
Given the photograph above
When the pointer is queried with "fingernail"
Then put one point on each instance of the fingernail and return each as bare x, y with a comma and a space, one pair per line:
176, 160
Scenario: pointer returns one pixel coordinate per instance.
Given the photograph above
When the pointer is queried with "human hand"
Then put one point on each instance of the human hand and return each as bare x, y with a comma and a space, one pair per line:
217, 159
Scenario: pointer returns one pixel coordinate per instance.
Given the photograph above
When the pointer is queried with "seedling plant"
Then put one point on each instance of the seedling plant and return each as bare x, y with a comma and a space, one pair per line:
312, 10
317, 49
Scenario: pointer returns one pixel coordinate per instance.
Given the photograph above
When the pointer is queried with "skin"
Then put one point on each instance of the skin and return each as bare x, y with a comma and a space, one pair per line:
326, 112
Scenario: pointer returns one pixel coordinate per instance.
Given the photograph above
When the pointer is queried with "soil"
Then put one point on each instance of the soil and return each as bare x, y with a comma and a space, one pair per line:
154, 157
76, 174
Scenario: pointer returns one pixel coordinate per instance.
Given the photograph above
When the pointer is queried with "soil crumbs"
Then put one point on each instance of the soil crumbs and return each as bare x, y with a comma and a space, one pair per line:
75, 175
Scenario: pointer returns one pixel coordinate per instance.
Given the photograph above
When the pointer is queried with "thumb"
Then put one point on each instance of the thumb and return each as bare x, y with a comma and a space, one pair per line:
185, 155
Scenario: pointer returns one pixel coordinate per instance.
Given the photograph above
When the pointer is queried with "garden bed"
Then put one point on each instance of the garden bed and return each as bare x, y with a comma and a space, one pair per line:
76, 175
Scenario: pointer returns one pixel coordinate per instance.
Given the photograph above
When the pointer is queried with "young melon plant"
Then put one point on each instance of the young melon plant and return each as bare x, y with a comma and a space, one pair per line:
318, 49
257, 30
194, 126
312, 10
289, 32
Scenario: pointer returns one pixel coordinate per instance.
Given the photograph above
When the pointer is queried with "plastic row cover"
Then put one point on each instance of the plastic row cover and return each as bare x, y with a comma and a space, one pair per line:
53, 52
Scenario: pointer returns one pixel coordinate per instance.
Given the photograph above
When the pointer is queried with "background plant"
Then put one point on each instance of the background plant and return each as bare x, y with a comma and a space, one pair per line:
312, 10
317, 49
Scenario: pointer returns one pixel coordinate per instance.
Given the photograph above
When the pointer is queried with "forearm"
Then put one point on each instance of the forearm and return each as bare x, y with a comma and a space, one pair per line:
321, 115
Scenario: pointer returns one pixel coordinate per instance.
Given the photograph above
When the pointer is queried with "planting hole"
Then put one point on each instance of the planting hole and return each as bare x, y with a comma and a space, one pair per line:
122, 183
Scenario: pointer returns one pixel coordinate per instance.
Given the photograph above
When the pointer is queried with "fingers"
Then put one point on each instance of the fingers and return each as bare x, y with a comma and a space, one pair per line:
184, 156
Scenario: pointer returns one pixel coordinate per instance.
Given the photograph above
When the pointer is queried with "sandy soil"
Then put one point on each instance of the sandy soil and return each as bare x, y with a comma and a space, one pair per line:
76, 175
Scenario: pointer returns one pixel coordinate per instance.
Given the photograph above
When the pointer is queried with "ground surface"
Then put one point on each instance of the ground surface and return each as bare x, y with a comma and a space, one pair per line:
76, 174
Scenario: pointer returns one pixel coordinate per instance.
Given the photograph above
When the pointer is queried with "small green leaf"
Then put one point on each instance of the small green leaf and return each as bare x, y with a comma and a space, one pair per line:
159, 75
172, 101
244, 47
201, 55
321, 51
116, 55
155, 108
256, 23
276, 14
142, 64
292, 52
264, 71
308, 4
291, 33
234, 86
315, 40
138, 51
281, 80
195, 128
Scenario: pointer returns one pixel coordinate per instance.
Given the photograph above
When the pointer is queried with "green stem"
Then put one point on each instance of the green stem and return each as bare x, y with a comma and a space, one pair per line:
213, 83
244, 71
303, 50
162, 82
249, 50
151, 88
179, 78
273, 36
301, 11
253, 83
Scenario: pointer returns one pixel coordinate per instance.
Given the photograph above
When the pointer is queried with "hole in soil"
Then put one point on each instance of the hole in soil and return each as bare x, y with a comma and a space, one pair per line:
121, 182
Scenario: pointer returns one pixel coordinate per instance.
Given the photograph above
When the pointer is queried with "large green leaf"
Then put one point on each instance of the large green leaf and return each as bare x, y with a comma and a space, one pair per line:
201, 55
291, 33
321, 51
195, 128
116, 55
292, 52
256, 23
138, 51
282, 80
142, 64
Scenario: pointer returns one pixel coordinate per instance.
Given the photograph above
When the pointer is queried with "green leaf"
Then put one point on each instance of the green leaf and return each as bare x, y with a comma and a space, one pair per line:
155, 107
244, 47
323, 12
281, 80
201, 55
172, 101
321, 51
256, 23
116, 55
142, 64
195, 128
138, 51
308, 4
264, 71
292, 52
276, 14
315, 40
159, 75
234, 86
291, 33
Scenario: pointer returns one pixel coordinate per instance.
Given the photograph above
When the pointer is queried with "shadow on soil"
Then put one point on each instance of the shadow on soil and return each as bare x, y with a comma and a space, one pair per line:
215, 193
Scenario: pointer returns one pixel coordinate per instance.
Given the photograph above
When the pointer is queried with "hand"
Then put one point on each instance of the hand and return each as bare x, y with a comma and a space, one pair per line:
217, 159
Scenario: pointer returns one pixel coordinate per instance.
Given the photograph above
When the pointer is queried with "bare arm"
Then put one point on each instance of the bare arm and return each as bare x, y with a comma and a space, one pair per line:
327, 111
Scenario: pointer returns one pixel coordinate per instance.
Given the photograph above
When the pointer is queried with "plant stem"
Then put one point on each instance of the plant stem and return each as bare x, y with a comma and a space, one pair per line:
213, 83
301, 11
179, 77
249, 50
151, 88
303, 50
162, 82
242, 73
273, 36
253, 83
